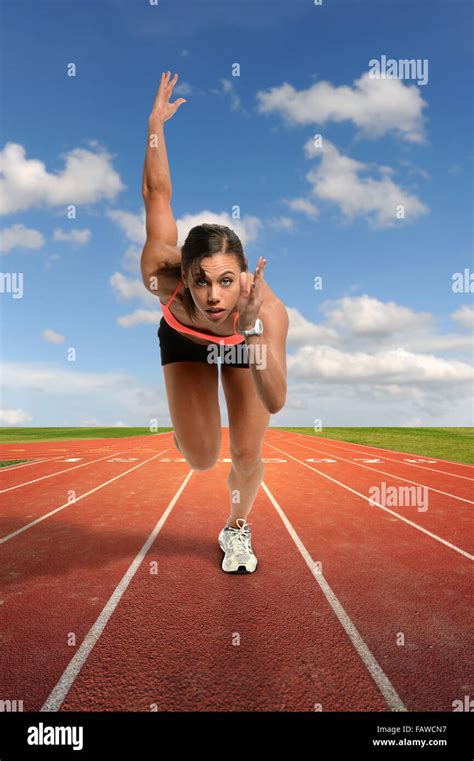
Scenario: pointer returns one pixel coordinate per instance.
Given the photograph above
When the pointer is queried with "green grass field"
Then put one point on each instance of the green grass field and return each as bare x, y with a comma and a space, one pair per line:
21, 435
455, 444
10, 435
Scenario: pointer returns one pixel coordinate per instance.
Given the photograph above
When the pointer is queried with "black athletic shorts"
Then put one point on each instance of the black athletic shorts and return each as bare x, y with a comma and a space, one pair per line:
174, 347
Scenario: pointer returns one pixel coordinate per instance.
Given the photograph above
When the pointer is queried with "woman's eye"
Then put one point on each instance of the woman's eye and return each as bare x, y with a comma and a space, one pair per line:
226, 279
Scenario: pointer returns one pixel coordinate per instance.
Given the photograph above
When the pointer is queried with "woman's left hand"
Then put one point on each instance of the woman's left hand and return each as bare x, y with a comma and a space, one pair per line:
249, 302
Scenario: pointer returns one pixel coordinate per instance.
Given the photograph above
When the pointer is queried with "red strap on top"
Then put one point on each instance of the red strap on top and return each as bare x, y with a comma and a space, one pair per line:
236, 338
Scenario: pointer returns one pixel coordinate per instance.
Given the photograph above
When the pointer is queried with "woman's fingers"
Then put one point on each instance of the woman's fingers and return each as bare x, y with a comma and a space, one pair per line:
159, 92
164, 91
171, 84
166, 87
243, 283
258, 277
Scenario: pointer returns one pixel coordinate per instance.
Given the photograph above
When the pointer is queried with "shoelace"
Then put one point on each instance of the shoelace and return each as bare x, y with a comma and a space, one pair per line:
239, 541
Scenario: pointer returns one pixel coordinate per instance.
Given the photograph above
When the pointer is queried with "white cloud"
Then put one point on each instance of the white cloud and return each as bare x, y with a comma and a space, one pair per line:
389, 366
14, 417
182, 89
229, 87
19, 236
302, 331
52, 336
72, 236
364, 315
89, 422
247, 228
464, 316
49, 261
373, 363
421, 341
281, 223
119, 392
87, 177
133, 225
368, 324
375, 106
337, 179
139, 317
92, 422
413, 169
131, 258
46, 377
128, 288
302, 205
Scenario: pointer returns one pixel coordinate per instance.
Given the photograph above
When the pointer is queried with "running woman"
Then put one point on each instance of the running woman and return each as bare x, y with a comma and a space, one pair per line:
212, 305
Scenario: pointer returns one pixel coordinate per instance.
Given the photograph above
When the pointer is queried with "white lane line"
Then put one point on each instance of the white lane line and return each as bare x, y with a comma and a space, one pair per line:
7, 468
55, 699
77, 499
382, 681
59, 472
81, 452
382, 507
338, 442
401, 462
392, 475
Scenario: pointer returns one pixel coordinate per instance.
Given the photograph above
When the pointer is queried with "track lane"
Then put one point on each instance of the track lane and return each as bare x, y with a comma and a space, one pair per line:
392, 581
460, 470
281, 657
448, 485
172, 643
446, 517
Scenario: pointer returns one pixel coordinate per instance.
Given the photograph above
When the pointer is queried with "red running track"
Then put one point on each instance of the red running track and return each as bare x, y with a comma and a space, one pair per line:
113, 597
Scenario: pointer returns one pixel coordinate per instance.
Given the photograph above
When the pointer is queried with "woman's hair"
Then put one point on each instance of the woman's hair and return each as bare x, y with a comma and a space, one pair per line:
206, 240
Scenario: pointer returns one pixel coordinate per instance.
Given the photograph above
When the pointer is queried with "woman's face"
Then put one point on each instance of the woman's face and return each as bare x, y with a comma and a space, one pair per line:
219, 289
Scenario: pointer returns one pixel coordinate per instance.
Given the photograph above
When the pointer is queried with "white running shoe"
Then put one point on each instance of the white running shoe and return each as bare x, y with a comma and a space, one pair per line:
237, 546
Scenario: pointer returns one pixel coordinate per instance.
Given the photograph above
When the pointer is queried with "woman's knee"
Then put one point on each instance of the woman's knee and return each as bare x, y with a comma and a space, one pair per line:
202, 461
246, 460
203, 456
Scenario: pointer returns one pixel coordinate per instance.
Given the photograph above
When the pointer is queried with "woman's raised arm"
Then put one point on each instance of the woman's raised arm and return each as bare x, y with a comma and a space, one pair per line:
160, 249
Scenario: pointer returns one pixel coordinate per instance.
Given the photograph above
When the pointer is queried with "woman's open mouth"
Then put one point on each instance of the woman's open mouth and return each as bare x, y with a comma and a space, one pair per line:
214, 314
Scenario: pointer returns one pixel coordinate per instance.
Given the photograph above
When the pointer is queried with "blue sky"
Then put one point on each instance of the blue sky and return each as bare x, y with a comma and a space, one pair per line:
386, 341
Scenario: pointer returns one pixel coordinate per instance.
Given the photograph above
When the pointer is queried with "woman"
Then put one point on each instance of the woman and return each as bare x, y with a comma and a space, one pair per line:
209, 299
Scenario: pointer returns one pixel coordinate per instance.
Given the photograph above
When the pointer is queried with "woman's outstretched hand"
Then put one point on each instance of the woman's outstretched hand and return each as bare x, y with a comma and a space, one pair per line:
162, 109
249, 302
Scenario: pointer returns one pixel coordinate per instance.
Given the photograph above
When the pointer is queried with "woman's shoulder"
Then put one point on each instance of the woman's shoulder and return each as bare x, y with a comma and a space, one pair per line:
270, 299
168, 280
273, 313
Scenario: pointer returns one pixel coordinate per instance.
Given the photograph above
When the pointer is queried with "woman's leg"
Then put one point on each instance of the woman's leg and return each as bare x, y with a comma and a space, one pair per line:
192, 391
248, 421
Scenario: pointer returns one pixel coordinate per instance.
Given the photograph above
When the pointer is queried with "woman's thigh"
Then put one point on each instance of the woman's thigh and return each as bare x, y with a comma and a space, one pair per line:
193, 400
248, 417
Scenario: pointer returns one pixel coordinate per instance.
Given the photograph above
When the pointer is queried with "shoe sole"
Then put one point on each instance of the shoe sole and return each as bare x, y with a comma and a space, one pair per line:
240, 569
